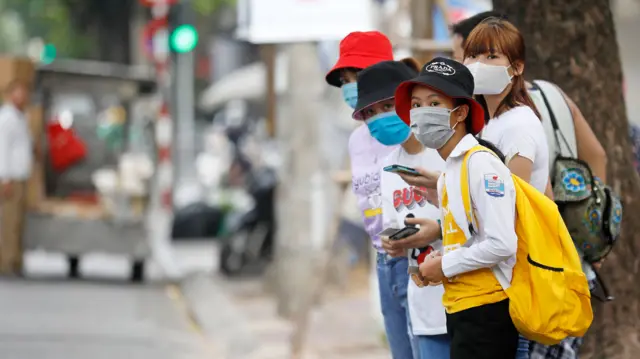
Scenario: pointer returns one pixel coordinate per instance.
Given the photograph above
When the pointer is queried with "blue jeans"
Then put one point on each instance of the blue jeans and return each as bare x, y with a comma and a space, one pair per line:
523, 348
434, 346
393, 279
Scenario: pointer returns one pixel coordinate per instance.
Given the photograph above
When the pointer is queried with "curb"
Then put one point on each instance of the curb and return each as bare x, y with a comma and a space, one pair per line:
216, 317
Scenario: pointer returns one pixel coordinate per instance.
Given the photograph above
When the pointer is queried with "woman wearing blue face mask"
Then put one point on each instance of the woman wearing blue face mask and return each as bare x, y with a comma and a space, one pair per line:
421, 304
359, 50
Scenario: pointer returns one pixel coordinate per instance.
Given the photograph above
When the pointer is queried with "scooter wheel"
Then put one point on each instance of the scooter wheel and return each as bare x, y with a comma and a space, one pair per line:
231, 263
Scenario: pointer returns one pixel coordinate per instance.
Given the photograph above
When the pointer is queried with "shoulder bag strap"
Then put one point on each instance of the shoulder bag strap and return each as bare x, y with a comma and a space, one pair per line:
557, 133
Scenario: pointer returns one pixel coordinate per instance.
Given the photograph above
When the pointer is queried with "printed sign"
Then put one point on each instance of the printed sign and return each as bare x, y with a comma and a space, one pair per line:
282, 21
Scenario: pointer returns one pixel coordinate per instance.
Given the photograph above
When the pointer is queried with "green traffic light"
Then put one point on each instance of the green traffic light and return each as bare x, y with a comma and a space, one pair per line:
184, 38
48, 54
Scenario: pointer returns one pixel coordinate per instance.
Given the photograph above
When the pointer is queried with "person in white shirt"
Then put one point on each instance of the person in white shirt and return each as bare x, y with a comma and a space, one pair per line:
495, 54
16, 157
478, 259
359, 50
585, 145
376, 87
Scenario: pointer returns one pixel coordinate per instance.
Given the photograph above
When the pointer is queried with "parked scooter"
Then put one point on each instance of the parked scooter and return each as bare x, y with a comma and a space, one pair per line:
250, 240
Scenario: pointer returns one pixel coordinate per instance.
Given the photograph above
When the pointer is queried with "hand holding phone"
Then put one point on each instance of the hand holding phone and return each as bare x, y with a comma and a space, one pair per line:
401, 169
428, 179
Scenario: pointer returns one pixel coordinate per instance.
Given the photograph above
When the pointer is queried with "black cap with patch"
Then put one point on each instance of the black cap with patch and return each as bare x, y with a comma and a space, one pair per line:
448, 77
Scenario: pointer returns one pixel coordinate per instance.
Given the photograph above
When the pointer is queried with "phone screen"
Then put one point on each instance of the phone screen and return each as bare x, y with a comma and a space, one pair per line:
388, 232
403, 169
404, 233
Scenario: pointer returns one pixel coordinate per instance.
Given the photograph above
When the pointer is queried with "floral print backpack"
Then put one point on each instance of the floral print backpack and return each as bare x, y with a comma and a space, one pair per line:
590, 209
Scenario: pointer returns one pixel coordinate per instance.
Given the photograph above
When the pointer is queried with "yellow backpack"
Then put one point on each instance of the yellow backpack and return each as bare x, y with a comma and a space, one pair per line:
549, 296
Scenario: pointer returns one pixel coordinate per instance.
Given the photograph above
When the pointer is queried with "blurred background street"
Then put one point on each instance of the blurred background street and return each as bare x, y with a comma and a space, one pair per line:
206, 316
100, 317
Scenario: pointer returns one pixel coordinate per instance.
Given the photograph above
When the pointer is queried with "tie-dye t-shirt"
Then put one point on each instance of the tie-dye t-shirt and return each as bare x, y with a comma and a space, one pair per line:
366, 157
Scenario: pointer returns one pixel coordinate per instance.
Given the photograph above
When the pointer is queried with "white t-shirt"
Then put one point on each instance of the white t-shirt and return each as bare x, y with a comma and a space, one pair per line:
425, 304
520, 132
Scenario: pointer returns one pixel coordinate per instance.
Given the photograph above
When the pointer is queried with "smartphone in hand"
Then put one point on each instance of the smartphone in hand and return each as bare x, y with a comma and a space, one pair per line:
401, 169
404, 233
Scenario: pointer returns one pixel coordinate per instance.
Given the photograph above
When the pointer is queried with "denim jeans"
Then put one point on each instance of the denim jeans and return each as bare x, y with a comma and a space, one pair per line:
433, 346
523, 348
393, 279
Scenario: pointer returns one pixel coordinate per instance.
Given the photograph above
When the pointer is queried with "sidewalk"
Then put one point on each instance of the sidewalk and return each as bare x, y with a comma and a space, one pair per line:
241, 321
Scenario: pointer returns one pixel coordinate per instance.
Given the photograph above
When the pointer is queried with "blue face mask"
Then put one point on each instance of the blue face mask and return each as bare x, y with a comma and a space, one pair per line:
388, 128
350, 94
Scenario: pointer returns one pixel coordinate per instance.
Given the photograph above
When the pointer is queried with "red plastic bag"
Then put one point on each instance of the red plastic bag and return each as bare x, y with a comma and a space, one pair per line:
65, 148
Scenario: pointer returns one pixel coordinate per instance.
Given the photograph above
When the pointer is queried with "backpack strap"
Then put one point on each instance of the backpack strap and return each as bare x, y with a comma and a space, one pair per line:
464, 187
562, 108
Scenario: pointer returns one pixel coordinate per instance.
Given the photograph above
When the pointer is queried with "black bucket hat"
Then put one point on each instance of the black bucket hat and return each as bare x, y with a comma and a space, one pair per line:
379, 82
448, 77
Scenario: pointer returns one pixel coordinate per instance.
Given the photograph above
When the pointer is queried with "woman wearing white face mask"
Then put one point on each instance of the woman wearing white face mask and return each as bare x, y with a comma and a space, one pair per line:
495, 53
476, 266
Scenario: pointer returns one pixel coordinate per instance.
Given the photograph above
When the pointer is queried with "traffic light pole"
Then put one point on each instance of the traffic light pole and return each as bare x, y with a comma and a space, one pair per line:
160, 218
185, 121
183, 38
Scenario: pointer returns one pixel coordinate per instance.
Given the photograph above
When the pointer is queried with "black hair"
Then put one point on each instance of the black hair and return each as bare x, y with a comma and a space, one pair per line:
469, 128
464, 27
353, 69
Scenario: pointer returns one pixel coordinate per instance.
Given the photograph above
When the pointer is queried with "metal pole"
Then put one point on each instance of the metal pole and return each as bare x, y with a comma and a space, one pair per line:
161, 212
185, 119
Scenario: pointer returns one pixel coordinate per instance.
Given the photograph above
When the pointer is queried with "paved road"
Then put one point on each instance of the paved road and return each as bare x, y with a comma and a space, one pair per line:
49, 319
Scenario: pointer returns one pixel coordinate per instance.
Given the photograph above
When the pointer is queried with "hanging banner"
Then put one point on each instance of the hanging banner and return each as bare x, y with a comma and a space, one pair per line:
282, 21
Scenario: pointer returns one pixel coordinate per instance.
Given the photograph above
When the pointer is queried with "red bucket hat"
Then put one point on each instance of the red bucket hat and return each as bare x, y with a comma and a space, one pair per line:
360, 50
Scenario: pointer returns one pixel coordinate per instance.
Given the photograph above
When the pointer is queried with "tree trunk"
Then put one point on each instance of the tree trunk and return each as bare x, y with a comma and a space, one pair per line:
297, 129
573, 44
422, 27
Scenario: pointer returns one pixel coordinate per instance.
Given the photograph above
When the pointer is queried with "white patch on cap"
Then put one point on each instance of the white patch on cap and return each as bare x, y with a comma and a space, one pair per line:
440, 68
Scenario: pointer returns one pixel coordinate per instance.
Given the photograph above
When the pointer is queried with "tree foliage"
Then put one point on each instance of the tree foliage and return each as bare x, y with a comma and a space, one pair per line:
93, 29
209, 7
49, 20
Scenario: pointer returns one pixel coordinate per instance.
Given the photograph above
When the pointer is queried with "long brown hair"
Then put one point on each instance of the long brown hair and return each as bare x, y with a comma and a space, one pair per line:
495, 35
412, 63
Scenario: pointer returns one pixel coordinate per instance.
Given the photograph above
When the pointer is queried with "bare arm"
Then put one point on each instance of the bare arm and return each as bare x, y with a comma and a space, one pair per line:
589, 148
521, 167
549, 190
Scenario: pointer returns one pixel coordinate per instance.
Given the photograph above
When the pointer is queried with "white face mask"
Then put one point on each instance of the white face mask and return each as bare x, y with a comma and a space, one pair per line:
431, 126
489, 79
